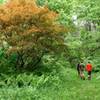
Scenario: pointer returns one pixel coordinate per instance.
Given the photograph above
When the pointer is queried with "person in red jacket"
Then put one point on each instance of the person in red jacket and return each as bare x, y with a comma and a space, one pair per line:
89, 70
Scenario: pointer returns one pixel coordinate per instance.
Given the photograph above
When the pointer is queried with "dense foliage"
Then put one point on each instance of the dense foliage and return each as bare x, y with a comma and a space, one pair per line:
31, 32
41, 42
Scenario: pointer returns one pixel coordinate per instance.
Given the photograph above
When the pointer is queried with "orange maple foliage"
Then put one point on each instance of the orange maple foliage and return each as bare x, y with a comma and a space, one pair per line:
23, 20
28, 26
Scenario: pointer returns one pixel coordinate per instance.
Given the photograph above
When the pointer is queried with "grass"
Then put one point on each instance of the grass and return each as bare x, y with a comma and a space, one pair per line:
69, 88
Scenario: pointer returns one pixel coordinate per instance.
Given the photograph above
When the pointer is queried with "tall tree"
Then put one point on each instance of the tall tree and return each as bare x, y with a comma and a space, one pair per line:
30, 30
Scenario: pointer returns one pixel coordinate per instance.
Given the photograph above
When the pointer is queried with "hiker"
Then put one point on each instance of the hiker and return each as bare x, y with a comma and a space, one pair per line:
80, 69
89, 70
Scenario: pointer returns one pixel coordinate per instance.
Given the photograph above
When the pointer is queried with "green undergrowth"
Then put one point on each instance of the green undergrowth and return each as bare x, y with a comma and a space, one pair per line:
64, 85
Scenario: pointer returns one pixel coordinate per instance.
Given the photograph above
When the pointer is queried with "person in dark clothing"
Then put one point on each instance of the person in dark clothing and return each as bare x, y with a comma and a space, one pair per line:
80, 69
